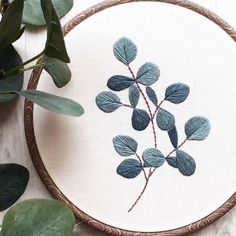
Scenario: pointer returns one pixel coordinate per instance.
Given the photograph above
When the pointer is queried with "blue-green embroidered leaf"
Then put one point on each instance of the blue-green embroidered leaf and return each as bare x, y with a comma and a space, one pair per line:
13, 181
185, 163
119, 82
10, 24
108, 101
172, 161
197, 128
152, 157
9, 58
53, 103
134, 95
173, 135
177, 93
140, 119
129, 168
58, 70
125, 50
148, 74
152, 95
38, 217
165, 120
125, 145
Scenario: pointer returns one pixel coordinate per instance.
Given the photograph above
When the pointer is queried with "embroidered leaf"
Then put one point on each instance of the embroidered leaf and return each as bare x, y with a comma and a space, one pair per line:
134, 95
172, 161
165, 120
125, 50
148, 74
177, 93
53, 103
129, 168
140, 119
55, 45
10, 24
9, 58
58, 70
152, 95
152, 157
108, 101
197, 128
119, 82
185, 163
125, 145
38, 217
33, 14
173, 135
13, 181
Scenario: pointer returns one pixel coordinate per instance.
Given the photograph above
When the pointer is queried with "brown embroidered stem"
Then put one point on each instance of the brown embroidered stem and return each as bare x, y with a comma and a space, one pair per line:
139, 197
174, 150
148, 106
157, 108
145, 175
127, 105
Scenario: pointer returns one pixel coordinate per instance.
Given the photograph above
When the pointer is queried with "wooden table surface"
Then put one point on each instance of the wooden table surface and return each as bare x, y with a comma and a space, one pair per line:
13, 146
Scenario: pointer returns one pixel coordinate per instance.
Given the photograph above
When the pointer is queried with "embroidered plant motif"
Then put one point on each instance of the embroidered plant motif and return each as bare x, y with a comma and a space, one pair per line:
197, 128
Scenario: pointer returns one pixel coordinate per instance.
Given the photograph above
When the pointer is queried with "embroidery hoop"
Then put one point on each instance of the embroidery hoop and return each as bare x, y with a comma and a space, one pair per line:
35, 155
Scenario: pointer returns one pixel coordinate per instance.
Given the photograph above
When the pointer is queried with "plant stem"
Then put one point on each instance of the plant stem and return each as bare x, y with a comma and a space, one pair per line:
31, 67
148, 106
127, 105
157, 108
145, 175
174, 150
17, 69
139, 197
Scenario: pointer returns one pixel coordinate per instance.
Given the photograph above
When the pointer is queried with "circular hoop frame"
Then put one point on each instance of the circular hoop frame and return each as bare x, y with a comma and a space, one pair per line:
38, 163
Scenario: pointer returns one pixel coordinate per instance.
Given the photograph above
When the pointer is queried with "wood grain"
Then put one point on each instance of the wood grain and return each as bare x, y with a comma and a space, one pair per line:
12, 143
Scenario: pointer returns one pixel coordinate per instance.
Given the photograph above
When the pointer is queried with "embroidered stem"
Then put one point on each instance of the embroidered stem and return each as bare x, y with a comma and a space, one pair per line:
145, 175
148, 106
157, 108
127, 105
139, 197
174, 150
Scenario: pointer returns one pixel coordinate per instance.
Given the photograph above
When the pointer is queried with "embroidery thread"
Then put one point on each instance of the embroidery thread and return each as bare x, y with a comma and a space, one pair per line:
197, 128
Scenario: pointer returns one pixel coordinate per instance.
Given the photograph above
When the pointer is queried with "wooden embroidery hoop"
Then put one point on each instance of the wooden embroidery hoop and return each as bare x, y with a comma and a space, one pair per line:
42, 171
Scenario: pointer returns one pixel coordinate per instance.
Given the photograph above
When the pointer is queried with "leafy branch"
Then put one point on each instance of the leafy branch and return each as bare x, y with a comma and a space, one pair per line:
53, 59
196, 128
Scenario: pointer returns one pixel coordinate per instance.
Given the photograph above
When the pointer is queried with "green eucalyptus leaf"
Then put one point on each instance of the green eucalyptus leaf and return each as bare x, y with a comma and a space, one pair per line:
33, 14
10, 25
13, 181
59, 71
55, 45
9, 58
38, 217
53, 103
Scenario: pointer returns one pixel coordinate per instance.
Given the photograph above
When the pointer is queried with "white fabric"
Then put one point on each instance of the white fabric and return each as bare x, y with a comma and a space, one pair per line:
78, 152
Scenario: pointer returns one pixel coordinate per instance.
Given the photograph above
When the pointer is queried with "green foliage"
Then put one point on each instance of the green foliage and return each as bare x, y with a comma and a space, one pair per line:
55, 45
33, 13
10, 25
9, 58
13, 181
39, 217
53, 103
59, 71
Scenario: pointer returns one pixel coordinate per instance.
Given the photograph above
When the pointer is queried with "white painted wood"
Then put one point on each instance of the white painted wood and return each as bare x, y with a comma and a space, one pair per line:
12, 142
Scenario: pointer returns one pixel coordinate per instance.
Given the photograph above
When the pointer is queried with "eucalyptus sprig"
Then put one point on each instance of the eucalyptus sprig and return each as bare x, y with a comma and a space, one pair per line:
139, 85
53, 58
